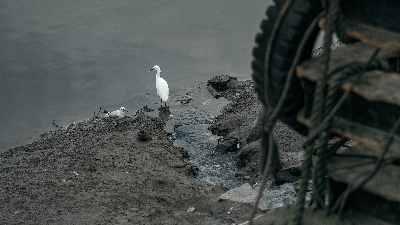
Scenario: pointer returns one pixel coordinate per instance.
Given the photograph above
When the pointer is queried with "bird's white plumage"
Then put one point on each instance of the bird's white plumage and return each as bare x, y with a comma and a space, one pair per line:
161, 85
119, 113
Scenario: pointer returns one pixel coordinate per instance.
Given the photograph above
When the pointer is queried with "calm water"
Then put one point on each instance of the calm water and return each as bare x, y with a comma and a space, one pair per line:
61, 59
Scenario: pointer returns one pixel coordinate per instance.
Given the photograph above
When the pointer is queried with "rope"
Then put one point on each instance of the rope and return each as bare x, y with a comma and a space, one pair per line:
316, 117
267, 125
323, 110
320, 171
272, 114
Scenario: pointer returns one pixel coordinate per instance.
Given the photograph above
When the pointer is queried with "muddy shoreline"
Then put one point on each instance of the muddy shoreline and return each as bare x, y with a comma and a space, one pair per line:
127, 171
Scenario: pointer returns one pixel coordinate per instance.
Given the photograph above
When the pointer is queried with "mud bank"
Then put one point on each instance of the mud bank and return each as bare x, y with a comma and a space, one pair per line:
109, 171
127, 171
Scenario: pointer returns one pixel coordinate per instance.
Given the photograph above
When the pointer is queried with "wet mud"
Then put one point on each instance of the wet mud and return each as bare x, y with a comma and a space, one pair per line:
109, 171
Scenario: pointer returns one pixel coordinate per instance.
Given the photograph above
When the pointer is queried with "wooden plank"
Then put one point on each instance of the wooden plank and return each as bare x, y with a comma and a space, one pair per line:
377, 86
374, 101
367, 136
372, 35
357, 52
385, 183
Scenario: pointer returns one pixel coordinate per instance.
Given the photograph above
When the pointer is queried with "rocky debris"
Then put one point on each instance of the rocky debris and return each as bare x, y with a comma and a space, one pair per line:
226, 211
143, 110
164, 113
187, 169
289, 175
230, 144
220, 129
184, 99
143, 135
239, 119
218, 84
245, 194
249, 156
240, 173
185, 153
213, 92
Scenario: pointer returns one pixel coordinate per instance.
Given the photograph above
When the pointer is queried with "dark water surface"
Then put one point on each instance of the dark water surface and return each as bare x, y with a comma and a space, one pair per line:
61, 59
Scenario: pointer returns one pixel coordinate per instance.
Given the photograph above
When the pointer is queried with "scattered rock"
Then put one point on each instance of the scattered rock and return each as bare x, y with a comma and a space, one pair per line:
164, 113
245, 194
240, 173
187, 169
228, 144
213, 92
92, 167
143, 110
255, 133
288, 175
239, 119
184, 99
192, 170
220, 86
185, 153
220, 129
144, 136
220, 83
249, 153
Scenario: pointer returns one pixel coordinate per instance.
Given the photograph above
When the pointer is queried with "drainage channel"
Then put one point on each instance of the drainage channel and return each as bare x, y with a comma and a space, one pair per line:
189, 124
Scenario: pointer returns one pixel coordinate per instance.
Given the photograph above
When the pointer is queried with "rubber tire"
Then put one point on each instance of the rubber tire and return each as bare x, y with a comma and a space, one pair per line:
297, 19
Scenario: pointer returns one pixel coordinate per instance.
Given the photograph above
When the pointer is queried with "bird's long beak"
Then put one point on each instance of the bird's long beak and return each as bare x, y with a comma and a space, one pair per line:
151, 69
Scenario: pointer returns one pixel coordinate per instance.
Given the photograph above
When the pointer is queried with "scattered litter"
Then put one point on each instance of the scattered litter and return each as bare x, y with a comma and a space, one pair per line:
229, 212
191, 209
75, 173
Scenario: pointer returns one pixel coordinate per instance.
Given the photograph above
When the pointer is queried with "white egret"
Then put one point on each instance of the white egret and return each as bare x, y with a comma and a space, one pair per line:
119, 113
161, 85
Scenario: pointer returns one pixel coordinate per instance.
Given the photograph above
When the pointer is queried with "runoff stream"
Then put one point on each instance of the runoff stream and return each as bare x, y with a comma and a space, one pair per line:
189, 124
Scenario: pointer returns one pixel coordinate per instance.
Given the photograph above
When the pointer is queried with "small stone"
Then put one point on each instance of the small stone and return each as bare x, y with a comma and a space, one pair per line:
244, 194
192, 170
144, 136
240, 173
220, 83
185, 153
92, 167
228, 144
289, 175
